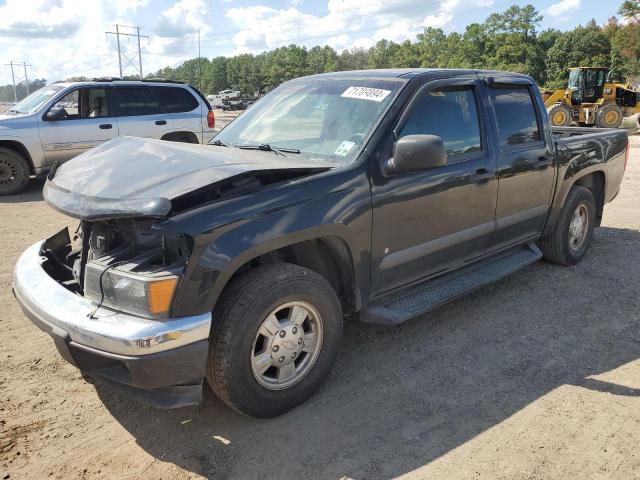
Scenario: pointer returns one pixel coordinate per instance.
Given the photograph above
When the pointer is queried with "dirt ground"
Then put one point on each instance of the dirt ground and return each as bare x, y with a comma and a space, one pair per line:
535, 377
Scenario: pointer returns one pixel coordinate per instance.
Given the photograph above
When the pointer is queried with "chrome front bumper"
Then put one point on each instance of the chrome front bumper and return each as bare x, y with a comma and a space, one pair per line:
54, 308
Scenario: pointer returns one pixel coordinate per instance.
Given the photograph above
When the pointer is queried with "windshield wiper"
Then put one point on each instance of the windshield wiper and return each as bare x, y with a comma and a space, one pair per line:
219, 143
265, 147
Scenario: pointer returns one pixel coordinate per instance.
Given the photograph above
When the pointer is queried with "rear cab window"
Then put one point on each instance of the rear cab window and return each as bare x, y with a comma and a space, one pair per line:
516, 116
451, 113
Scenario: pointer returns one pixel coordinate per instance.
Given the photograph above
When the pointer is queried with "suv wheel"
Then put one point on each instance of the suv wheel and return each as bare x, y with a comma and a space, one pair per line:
14, 172
570, 238
275, 337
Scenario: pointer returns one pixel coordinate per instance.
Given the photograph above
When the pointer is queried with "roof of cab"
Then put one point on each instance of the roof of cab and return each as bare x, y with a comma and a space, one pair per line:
409, 73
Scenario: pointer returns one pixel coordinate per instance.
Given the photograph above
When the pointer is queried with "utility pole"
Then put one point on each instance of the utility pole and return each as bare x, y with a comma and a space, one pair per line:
26, 79
20, 80
13, 79
199, 64
121, 54
139, 52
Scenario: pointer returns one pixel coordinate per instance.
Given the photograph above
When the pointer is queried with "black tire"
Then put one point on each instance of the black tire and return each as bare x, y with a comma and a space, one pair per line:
609, 115
559, 111
14, 172
242, 308
556, 246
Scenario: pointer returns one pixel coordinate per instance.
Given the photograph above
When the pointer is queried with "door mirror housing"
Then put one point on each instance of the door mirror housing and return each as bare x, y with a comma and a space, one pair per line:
56, 113
415, 153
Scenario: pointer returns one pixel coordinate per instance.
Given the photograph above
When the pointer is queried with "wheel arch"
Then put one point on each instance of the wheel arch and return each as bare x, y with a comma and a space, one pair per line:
595, 181
329, 256
20, 149
179, 136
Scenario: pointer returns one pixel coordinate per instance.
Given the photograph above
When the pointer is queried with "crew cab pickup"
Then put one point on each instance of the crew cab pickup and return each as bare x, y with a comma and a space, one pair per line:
370, 195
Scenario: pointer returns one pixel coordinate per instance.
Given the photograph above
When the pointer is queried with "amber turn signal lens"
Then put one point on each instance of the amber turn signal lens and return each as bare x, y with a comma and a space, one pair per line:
160, 295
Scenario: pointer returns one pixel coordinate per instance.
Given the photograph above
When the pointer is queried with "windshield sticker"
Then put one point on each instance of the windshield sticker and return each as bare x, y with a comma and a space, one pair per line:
344, 148
366, 93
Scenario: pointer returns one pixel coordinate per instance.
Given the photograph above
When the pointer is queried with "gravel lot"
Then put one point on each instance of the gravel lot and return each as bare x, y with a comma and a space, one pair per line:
537, 376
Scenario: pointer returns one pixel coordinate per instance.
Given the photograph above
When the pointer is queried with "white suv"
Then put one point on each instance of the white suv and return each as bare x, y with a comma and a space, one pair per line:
62, 120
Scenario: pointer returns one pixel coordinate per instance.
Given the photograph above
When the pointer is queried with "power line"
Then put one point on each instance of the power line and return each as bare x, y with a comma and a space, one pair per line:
130, 61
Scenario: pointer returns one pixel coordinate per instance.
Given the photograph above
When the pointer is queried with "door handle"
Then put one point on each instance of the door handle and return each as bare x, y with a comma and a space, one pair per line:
106, 126
542, 163
481, 175
161, 122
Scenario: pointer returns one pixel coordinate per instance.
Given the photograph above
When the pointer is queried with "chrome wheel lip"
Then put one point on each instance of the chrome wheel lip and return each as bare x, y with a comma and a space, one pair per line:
578, 227
278, 350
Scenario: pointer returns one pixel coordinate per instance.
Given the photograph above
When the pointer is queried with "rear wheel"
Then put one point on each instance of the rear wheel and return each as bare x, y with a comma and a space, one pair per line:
570, 238
14, 172
275, 338
560, 115
609, 116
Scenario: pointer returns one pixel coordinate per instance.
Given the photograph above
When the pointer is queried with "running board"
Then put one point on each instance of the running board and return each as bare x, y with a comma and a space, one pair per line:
426, 296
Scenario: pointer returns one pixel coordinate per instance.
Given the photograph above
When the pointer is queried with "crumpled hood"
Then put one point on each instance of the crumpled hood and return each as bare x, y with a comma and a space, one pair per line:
139, 176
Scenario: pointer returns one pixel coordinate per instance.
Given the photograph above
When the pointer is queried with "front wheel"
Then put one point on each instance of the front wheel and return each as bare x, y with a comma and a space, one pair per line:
275, 337
609, 116
14, 172
570, 238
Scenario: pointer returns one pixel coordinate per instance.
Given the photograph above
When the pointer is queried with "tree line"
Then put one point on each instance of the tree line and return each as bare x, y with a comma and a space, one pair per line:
510, 40
6, 91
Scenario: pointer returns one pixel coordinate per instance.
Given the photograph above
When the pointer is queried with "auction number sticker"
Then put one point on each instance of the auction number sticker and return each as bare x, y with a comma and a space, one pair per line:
366, 93
344, 148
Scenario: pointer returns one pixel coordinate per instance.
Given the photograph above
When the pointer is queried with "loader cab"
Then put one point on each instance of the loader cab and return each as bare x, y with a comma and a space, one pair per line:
586, 84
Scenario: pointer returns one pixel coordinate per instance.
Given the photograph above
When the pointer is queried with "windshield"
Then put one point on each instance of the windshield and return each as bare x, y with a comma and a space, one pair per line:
325, 119
575, 79
34, 101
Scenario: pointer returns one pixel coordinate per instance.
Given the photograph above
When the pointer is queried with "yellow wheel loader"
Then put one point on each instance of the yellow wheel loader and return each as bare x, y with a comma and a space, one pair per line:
590, 99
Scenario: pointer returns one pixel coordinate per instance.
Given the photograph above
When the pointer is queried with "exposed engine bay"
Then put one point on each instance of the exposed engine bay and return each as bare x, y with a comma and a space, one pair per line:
115, 262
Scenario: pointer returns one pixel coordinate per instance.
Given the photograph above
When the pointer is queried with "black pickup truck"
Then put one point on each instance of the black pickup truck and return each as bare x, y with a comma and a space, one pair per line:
376, 195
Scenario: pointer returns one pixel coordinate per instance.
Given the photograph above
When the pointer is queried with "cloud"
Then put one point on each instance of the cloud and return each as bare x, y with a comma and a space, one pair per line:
65, 38
182, 18
563, 7
23, 29
348, 23
44, 21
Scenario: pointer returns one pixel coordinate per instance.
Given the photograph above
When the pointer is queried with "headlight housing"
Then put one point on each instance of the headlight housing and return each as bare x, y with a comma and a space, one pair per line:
147, 294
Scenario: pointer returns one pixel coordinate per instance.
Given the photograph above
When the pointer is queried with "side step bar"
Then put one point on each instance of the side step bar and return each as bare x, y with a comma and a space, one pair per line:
424, 297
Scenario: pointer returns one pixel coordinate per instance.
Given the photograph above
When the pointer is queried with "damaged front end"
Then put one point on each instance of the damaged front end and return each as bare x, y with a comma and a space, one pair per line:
105, 291
122, 263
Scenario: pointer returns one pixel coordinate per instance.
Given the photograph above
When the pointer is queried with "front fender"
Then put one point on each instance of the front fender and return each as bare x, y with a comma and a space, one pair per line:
343, 214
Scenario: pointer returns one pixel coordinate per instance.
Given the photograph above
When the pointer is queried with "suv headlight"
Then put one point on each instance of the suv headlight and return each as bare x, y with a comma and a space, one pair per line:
146, 294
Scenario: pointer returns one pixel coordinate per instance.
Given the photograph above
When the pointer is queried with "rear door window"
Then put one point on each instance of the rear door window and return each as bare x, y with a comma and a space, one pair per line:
451, 113
136, 101
176, 99
516, 116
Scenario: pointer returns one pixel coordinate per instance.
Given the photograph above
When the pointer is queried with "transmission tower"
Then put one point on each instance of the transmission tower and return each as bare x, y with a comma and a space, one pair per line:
20, 79
131, 60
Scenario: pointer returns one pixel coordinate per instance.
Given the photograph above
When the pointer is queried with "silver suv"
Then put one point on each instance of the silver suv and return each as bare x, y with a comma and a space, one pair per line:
63, 120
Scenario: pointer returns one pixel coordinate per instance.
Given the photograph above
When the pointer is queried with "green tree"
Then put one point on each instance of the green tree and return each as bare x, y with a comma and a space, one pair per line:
584, 46
630, 10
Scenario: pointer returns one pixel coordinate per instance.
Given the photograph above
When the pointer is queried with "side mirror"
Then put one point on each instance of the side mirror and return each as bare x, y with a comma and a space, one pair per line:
56, 113
415, 153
